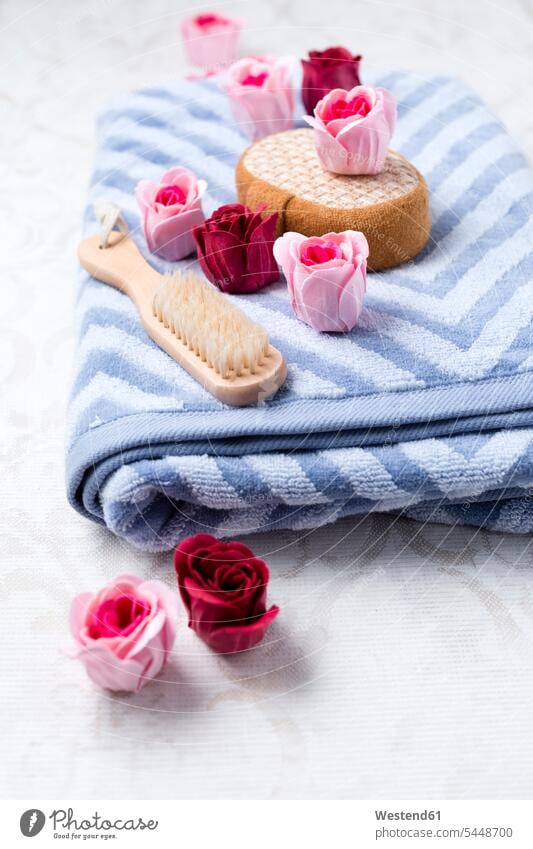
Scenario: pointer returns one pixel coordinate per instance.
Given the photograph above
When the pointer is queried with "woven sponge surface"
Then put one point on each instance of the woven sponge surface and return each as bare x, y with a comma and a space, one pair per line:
390, 208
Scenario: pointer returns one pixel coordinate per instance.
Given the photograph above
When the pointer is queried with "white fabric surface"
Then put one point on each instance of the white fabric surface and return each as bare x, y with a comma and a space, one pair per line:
401, 663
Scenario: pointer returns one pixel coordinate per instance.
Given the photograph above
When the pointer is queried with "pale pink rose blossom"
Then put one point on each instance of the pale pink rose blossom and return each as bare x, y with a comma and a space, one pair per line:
210, 40
123, 633
261, 95
169, 211
326, 277
353, 129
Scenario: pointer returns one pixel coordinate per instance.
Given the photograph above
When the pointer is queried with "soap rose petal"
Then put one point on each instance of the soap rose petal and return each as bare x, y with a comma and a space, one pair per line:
350, 132
228, 639
173, 238
262, 268
109, 672
389, 108
227, 255
280, 84
351, 300
78, 611
145, 193
286, 247
333, 156
286, 252
319, 294
367, 146
261, 113
209, 609
210, 261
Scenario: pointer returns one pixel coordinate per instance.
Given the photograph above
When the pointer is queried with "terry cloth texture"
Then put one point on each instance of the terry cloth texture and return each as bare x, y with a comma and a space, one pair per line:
425, 407
391, 208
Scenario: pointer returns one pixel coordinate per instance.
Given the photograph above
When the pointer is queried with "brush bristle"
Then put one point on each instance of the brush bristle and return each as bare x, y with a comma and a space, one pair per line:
210, 325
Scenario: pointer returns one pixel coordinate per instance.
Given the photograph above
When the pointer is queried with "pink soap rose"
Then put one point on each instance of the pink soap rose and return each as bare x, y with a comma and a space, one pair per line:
326, 277
124, 632
353, 129
210, 39
224, 587
261, 95
169, 211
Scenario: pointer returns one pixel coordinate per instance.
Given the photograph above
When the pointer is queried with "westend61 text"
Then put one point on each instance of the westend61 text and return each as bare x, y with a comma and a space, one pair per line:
407, 815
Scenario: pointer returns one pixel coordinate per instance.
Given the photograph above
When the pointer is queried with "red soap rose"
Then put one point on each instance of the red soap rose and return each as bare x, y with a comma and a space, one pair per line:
325, 70
235, 248
223, 586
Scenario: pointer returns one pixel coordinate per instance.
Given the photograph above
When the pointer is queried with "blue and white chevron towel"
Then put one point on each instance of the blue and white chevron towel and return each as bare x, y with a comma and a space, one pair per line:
425, 408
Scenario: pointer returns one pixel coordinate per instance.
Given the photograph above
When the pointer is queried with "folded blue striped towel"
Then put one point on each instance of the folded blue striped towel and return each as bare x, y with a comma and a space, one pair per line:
425, 408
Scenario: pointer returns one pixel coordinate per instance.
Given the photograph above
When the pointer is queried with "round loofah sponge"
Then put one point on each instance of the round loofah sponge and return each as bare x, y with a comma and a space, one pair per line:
390, 208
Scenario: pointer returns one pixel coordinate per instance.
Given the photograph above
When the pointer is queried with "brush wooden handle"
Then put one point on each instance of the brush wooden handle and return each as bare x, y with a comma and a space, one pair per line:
121, 265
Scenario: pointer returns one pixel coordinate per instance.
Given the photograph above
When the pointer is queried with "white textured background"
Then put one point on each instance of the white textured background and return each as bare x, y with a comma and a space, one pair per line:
402, 663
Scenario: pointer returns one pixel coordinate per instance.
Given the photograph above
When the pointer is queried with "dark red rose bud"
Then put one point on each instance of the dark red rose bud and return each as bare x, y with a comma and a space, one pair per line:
235, 248
325, 70
223, 586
